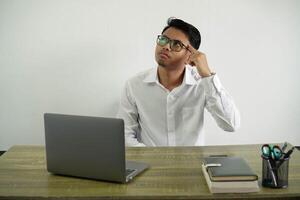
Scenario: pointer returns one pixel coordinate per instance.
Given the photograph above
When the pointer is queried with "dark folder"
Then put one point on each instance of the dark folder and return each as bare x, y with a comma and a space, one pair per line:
231, 169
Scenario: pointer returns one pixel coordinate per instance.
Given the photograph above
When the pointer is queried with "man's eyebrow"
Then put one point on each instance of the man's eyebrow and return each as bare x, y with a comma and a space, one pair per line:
172, 39
188, 42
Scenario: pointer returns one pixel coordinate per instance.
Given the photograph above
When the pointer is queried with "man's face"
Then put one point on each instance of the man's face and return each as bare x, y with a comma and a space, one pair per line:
168, 58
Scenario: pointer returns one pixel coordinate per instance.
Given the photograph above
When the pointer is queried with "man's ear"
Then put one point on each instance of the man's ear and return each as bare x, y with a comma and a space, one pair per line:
187, 60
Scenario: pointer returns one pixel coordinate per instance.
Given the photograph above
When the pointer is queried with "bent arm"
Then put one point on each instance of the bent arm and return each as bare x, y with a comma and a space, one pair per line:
221, 105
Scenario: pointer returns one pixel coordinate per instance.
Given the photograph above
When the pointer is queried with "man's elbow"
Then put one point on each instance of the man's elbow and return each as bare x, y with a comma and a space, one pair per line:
234, 125
231, 128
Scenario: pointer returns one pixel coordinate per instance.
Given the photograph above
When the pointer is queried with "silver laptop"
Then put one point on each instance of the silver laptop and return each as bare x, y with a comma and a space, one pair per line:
88, 147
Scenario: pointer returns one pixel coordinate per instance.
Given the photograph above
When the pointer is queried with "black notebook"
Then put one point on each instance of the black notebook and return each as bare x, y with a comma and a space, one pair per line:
231, 169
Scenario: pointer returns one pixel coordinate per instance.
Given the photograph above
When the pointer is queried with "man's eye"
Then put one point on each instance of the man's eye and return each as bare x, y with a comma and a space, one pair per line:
177, 44
163, 40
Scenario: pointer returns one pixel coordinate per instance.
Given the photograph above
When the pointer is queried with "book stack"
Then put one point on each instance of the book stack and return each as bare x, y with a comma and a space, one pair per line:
229, 175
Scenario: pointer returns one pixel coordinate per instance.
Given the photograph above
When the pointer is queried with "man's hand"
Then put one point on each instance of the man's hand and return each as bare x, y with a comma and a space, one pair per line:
198, 59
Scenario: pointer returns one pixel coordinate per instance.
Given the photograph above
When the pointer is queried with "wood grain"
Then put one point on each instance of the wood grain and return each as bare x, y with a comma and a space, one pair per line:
175, 173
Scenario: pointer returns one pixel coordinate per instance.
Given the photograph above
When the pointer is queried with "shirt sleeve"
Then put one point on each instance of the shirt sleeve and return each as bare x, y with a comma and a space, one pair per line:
220, 104
128, 112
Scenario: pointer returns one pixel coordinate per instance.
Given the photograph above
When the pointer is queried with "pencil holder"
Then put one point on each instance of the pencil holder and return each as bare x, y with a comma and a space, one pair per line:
275, 173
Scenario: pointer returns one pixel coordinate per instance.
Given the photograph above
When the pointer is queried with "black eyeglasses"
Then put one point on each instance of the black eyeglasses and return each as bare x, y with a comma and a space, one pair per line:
175, 45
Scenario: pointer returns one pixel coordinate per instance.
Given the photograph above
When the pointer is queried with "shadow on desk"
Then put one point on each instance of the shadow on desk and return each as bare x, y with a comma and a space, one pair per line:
2, 152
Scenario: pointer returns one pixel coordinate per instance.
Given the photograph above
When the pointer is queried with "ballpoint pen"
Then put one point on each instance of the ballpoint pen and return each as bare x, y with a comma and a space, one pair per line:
284, 146
288, 154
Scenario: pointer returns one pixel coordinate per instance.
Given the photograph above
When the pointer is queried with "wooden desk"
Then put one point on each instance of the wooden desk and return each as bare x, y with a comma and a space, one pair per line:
175, 173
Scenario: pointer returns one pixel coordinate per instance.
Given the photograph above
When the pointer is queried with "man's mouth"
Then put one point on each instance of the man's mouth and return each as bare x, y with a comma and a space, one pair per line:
164, 55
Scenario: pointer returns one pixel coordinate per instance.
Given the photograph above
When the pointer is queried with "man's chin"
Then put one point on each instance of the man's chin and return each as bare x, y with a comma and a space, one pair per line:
161, 63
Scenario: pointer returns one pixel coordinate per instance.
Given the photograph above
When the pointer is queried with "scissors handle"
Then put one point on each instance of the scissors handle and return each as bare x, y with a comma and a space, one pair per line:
271, 151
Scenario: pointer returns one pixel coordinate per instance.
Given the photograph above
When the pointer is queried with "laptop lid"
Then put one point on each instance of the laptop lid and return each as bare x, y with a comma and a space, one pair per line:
83, 146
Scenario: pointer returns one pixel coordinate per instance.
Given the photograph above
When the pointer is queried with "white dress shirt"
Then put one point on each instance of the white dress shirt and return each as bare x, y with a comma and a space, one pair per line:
155, 116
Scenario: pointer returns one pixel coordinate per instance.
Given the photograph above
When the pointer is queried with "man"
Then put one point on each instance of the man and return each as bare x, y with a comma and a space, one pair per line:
164, 106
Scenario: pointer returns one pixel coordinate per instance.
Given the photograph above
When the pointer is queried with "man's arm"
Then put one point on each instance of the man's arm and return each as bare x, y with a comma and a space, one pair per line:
128, 112
218, 102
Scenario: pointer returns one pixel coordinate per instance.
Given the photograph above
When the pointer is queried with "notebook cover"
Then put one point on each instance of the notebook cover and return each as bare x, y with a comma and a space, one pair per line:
232, 169
230, 186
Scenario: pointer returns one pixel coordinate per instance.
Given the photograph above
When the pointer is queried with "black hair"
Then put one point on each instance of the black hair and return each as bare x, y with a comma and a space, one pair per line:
189, 30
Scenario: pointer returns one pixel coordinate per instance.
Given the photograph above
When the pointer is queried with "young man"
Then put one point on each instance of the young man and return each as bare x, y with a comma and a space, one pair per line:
164, 106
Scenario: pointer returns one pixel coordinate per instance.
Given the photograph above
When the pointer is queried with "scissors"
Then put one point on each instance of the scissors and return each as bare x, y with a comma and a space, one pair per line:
271, 152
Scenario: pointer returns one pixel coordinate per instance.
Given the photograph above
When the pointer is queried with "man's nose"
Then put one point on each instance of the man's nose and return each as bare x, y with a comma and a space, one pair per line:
167, 47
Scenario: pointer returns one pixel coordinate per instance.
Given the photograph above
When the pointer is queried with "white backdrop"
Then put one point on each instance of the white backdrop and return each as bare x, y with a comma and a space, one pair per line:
73, 57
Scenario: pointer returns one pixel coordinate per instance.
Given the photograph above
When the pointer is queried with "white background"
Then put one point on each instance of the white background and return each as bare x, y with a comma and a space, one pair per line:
73, 57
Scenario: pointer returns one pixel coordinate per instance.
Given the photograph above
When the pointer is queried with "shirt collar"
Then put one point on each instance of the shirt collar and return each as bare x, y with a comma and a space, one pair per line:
190, 76
151, 77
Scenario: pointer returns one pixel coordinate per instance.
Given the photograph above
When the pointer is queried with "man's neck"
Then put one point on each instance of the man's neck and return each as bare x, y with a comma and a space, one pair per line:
170, 79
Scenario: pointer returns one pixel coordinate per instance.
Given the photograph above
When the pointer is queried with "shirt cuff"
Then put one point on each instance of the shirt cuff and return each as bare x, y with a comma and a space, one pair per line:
212, 83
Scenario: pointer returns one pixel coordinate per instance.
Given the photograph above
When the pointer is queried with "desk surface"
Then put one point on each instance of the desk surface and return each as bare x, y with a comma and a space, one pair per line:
175, 173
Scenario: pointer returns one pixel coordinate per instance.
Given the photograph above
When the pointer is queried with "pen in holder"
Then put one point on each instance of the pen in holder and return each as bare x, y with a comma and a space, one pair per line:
275, 172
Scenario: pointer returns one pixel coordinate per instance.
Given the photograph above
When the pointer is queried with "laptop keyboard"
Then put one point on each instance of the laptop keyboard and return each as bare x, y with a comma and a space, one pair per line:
129, 171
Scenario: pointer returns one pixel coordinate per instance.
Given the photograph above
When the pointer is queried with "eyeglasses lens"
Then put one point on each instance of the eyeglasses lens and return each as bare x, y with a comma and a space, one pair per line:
162, 41
175, 45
